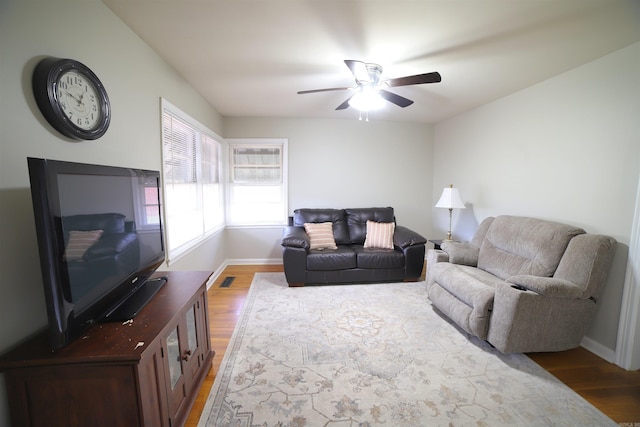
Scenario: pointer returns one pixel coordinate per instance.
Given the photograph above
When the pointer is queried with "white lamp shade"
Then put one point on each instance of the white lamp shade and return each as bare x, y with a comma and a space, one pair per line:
450, 199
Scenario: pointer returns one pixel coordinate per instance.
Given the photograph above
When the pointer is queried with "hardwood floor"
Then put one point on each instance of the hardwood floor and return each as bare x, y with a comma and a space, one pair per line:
613, 390
225, 306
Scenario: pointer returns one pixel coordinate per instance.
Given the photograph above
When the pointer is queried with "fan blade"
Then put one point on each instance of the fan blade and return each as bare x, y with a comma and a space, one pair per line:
359, 70
301, 92
344, 105
396, 99
418, 79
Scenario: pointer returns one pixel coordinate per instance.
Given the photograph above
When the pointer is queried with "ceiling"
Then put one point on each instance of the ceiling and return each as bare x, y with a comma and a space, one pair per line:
248, 58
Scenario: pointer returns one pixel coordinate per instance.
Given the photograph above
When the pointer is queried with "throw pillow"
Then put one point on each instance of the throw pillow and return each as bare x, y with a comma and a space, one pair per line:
320, 235
379, 235
79, 242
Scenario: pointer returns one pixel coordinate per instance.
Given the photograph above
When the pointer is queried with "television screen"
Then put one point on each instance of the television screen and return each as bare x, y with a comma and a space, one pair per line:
100, 238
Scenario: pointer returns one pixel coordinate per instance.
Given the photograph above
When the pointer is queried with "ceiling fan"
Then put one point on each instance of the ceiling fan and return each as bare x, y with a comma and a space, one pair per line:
370, 90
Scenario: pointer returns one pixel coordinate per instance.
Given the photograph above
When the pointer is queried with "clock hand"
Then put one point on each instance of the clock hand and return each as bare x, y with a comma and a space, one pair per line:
79, 101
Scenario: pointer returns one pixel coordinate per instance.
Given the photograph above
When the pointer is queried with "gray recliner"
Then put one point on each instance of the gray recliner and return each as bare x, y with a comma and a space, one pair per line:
522, 284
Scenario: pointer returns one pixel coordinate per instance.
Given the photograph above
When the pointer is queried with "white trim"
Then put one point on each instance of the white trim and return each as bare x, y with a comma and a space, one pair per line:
175, 253
217, 273
283, 144
253, 227
627, 345
254, 261
598, 349
228, 262
168, 106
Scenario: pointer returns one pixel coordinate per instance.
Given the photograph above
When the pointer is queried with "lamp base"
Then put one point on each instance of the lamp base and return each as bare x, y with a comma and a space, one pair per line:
448, 239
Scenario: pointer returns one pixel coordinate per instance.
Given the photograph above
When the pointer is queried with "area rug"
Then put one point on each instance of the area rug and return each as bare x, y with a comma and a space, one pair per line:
374, 355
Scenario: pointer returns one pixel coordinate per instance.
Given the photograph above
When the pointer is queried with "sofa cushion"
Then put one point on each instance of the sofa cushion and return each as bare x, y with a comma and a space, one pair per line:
378, 258
478, 237
463, 293
320, 235
470, 285
79, 242
357, 221
341, 259
336, 216
379, 235
520, 245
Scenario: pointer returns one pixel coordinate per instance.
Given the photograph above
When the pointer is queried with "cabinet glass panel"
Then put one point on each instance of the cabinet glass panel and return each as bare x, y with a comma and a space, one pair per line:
191, 329
173, 350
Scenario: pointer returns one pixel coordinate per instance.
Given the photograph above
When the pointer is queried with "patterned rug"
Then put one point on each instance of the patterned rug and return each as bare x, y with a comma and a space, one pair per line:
374, 355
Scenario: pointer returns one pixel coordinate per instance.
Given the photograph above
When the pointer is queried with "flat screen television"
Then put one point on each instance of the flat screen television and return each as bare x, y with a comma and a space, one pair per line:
100, 238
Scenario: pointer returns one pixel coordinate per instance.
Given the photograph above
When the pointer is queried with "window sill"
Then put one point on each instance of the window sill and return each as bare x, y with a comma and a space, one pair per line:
192, 246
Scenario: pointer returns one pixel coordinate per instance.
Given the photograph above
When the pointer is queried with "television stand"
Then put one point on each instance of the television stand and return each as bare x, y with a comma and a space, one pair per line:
143, 372
130, 307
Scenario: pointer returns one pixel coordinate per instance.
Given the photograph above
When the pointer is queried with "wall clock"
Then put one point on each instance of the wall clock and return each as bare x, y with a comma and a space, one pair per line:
71, 98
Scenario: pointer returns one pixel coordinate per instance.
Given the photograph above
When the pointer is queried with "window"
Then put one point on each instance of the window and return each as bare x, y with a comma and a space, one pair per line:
193, 193
257, 182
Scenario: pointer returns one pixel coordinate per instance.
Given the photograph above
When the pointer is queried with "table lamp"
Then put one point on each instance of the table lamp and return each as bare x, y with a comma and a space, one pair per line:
451, 200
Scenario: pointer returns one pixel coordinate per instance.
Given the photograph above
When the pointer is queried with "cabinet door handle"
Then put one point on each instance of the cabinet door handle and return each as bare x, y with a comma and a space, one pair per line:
187, 355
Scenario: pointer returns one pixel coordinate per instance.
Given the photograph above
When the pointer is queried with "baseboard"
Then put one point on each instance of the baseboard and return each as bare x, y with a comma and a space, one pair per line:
599, 349
243, 261
255, 261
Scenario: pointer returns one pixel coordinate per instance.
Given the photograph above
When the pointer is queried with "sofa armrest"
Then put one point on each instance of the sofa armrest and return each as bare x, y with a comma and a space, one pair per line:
295, 237
547, 286
404, 237
525, 321
461, 253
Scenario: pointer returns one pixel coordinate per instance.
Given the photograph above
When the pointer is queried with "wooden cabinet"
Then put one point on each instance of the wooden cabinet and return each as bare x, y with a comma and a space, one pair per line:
144, 372
185, 355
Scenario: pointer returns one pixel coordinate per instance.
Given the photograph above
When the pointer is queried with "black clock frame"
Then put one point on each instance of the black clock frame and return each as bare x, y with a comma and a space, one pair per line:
45, 81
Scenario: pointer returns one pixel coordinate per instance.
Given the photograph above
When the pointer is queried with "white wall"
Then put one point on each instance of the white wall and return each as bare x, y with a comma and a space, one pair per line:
135, 78
342, 164
566, 149
351, 163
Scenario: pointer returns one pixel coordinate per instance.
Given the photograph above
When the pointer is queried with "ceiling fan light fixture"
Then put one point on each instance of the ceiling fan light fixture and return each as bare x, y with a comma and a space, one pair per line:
367, 99
370, 92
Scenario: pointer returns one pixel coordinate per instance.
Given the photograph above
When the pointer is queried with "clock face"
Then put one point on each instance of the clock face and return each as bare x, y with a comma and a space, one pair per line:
78, 99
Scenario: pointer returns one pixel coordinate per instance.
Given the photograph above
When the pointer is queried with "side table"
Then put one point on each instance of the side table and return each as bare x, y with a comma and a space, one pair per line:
436, 243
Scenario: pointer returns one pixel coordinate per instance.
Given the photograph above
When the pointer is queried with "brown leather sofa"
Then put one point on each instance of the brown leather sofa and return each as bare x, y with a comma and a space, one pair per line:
351, 262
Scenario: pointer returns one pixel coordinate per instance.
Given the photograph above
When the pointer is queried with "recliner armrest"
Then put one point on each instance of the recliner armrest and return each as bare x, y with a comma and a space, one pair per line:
436, 255
404, 237
295, 237
461, 253
547, 286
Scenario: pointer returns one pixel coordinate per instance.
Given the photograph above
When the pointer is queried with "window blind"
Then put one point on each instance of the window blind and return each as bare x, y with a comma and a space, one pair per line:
191, 180
257, 182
